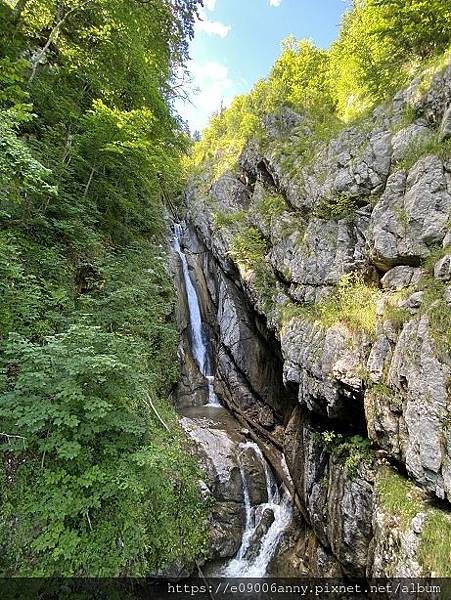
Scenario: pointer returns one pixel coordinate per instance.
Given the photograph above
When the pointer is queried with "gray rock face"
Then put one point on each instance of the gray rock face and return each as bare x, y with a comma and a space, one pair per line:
401, 277
326, 365
408, 419
230, 192
414, 134
281, 124
445, 127
442, 269
315, 258
337, 506
394, 382
401, 515
251, 353
412, 214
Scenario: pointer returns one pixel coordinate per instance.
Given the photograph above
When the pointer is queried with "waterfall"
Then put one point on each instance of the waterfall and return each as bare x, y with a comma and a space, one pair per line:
198, 345
257, 566
262, 533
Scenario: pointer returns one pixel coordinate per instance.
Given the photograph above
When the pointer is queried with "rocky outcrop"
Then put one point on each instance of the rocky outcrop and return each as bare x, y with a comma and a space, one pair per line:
337, 504
334, 345
222, 452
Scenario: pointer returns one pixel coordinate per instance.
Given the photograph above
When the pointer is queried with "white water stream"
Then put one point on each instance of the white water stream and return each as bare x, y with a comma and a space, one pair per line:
241, 566
198, 345
244, 564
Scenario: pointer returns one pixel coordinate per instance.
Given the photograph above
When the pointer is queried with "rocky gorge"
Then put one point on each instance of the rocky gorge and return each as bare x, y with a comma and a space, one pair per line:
323, 391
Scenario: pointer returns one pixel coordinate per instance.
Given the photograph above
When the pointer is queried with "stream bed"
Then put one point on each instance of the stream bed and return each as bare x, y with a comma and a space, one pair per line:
254, 509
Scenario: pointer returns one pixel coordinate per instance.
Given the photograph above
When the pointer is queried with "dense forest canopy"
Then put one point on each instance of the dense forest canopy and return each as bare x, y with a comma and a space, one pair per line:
90, 153
381, 45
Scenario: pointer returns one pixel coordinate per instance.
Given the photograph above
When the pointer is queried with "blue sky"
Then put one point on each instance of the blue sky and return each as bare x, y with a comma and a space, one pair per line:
237, 42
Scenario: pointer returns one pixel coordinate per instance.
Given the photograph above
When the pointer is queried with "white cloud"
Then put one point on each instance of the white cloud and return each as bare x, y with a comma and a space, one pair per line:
275, 2
210, 4
212, 27
211, 87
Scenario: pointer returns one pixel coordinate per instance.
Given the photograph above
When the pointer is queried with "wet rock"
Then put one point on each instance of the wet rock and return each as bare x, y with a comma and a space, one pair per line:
225, 529
255, 543
350, 508
218, 452
255, 476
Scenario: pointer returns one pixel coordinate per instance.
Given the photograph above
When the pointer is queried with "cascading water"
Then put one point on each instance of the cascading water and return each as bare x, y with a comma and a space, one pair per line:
198, 345
264, 523
256, 565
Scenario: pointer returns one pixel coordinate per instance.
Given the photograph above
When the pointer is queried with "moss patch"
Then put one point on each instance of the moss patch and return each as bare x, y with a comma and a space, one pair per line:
399, 496
353, 303
435, 548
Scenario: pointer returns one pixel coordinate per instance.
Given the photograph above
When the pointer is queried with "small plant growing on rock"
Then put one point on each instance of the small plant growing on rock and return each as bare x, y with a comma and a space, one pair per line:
335, 208
353, 303
355, 450
270, 207
248, 247
398, 496
222, 219
425, 147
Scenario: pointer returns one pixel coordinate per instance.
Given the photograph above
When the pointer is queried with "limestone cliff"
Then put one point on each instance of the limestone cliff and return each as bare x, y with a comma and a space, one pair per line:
326, 282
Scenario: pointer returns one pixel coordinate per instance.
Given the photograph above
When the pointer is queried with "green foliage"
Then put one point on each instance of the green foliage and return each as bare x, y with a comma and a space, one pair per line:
437, 309
335, 208
398, 496
355, 450
21, 173
432, 145
298, 79
89, 158
392, 309
223, 219
271, 207
265, 282
248, 247
353, 303
381, 45
408, 116
401, 498
435, 548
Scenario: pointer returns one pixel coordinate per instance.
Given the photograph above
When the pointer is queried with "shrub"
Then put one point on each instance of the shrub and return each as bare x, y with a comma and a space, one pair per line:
222, 219
335, 208
355, 449
248, 247
270, 207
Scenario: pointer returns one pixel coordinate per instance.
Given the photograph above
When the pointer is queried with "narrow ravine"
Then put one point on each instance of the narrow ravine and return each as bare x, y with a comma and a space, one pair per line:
199, 347
226, 446
264, 526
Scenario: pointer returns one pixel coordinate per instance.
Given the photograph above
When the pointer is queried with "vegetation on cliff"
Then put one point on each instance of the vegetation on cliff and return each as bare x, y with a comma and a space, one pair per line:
382, 44
92, 483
